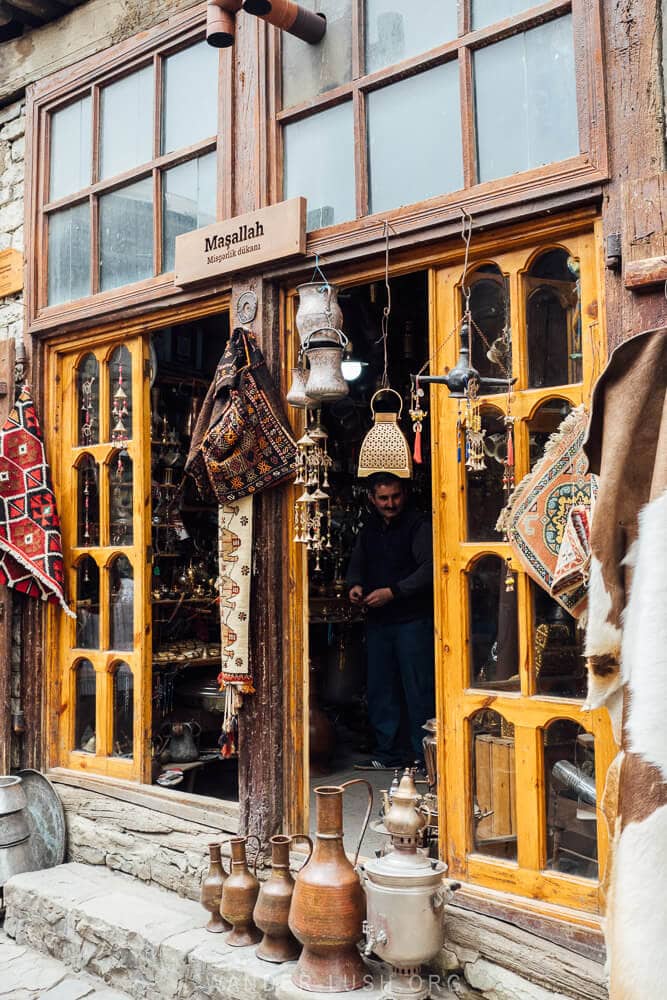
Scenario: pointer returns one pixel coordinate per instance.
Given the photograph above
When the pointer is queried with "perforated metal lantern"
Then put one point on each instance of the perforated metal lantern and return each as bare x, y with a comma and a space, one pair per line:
385, 448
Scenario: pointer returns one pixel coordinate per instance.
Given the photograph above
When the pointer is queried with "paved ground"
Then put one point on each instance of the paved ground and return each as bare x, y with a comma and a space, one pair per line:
26, 974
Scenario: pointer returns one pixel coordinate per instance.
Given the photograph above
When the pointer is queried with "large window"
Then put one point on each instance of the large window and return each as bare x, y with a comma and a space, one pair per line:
524, 765
403, 103
132, 145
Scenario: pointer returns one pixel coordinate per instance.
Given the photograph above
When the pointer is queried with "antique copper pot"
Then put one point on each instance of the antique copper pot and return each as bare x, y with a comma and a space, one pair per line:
328, 905
239, 895
273, 903
211, 891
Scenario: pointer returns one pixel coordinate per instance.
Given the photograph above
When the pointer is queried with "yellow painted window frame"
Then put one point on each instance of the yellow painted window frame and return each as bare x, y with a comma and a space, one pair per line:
457, 700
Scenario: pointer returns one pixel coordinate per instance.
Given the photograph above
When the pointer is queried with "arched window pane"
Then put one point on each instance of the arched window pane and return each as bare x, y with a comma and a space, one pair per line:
558, 651
88, 521
120, 499
485, 496
121, 632
87, 604
120, 395
123, 711
569, 772
88, 378
491, 347
494, 657
494, 786
84, 722
545, 422
553, 319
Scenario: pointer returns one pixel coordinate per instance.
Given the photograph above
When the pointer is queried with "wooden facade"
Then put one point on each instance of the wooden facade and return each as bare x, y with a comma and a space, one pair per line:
613, 188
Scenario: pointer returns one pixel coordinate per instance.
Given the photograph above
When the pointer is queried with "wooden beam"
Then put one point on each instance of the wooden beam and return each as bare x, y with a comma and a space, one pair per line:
645, 273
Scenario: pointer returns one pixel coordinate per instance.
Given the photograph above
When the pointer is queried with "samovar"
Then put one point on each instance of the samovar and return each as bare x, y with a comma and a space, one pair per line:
405, 896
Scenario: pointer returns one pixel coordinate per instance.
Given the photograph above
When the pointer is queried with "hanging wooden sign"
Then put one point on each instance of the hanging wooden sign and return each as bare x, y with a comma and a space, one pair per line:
241, 243
11, 272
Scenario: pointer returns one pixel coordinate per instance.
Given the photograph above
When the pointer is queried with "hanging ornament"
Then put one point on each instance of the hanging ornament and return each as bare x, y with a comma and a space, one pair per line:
312, 516
87, 407
474, 432
417, 416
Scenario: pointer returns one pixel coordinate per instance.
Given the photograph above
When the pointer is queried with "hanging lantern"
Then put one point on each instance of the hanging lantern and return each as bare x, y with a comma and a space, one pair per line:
325, 356
385, 448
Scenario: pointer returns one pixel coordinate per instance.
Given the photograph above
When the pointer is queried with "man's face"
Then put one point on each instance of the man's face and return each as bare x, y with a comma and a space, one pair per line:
388, 501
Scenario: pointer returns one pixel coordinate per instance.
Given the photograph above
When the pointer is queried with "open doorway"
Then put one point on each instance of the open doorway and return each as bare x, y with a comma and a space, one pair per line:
347, 734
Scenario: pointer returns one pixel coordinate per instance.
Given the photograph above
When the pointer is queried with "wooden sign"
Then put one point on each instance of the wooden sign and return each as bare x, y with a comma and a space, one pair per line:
268, 235
11, 272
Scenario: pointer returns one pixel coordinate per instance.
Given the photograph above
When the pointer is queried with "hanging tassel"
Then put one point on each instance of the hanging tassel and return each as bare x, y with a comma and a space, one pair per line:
417, 450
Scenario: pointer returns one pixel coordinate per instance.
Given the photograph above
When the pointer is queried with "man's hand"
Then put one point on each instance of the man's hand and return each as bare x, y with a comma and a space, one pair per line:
356, 594
378, 598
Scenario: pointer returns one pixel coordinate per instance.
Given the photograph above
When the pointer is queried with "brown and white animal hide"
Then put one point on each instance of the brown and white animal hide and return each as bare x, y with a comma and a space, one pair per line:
626, 646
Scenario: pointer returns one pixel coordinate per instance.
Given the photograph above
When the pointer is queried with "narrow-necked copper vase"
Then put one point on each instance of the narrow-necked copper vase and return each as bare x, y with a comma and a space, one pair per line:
211, 891
273, 904
239, 895
328, 905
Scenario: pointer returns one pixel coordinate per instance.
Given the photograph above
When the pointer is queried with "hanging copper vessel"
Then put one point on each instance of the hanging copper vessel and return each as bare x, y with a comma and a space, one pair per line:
273, 904
325, 380
328, 906
211, 891
239, 895
318, 312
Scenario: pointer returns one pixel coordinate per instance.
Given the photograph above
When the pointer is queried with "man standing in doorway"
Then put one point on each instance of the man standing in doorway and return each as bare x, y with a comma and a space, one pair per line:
391, 574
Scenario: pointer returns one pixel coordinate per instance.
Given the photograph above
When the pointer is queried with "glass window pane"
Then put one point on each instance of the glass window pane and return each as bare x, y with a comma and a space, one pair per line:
485, 490
70, 157
494, 642
569, 772
69, 254
87, 604
309, 70
121, 632
557, 648
126, 235
525, 100
84, 718
489, 11
424, 111
319, 164
88, 526
120, 500
398, 29
545, 422
120, 395
553, 318
190, 96
88, 380
123, 711
126, 123
188, 193
490, 336
494, 786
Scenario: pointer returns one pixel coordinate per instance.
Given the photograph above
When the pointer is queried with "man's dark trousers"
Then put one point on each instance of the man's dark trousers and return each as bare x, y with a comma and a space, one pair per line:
400, 654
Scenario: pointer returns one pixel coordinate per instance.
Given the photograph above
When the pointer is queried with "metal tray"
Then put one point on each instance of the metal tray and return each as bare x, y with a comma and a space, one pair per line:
46, 817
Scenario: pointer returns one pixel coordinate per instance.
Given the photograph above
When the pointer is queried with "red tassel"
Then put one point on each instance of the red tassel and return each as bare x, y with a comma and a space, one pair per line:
417, 450
510, 449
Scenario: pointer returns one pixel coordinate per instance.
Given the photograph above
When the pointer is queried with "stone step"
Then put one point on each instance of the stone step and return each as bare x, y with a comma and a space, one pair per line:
141, 940
26, 974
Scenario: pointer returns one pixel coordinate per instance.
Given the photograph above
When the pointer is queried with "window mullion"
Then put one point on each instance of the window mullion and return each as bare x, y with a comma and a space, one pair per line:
467, 117
529, 785
157, 221
360, 152
96, 125
358, 39
157, 105
94, 244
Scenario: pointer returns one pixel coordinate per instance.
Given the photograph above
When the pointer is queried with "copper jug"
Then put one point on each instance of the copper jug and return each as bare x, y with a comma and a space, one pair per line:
211, 891
328, 905
239, 895
273, 903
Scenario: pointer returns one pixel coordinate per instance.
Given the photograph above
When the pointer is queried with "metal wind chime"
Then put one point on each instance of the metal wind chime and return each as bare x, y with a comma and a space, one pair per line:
120, 412
312, 518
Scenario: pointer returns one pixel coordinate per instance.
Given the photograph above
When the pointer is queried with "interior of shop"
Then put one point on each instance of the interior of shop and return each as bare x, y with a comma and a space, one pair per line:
187, 705
340, 731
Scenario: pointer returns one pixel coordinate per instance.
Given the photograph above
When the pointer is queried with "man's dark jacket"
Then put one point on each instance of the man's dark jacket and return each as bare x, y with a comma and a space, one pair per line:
398, 555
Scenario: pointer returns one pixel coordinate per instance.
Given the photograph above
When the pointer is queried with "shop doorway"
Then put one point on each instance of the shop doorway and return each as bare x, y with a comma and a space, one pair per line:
341, 733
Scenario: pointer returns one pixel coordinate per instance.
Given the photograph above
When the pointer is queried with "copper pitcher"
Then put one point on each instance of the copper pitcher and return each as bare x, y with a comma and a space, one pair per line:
239, 895
328, 905
273, 903
211, 891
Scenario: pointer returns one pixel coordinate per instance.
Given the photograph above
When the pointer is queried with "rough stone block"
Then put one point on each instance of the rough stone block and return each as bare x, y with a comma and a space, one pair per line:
69, 989
13, 129
496, 983
11, 111
18, 150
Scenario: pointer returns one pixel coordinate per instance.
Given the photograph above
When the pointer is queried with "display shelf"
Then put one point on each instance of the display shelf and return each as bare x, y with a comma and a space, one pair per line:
204, 661
184, 600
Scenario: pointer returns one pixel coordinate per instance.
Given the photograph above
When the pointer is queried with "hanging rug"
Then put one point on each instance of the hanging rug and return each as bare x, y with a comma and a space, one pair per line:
547, 520
31, 555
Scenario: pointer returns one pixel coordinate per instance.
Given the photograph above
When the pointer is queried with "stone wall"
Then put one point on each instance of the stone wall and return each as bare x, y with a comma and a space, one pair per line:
12, 170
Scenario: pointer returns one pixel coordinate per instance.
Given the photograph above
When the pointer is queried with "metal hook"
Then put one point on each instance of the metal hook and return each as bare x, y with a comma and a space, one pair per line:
318, 270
